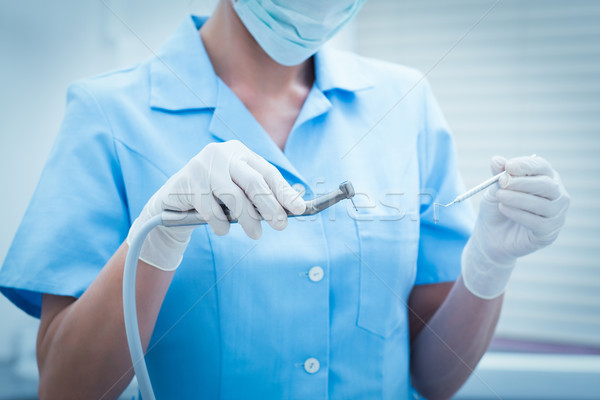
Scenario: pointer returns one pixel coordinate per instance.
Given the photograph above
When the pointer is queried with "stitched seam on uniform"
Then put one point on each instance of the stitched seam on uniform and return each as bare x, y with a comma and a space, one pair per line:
143, 157
218, 308
18, 284
425, 139
84, 87
329, 315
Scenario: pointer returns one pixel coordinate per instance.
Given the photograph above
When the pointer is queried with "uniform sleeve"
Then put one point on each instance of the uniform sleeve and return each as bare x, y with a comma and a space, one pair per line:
441, 243
77, 217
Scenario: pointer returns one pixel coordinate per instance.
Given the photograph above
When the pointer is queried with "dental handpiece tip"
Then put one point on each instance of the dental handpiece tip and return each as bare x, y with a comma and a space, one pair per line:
347, 188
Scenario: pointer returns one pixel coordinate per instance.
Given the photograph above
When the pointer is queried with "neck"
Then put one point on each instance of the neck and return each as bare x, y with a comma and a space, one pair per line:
240, 61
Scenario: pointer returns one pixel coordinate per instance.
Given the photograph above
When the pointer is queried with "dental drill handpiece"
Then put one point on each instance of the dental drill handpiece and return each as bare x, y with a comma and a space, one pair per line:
314, 206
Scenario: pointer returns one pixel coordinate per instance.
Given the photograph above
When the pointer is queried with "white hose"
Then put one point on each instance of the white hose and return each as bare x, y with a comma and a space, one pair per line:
132, 328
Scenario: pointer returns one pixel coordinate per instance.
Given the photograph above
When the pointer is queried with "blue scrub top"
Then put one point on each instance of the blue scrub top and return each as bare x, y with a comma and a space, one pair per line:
241, 316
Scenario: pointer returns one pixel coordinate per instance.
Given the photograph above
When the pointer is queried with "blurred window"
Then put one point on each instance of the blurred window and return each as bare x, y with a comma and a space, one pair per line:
522, 79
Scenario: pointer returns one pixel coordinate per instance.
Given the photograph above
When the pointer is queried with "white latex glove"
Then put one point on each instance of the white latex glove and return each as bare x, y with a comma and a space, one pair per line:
227, 171
520, 215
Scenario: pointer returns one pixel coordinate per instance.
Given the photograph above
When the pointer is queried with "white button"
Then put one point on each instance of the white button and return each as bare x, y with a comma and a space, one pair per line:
298, 187
311, 365
316, 274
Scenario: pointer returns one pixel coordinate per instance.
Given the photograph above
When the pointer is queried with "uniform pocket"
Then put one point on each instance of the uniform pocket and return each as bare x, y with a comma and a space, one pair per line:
388, 262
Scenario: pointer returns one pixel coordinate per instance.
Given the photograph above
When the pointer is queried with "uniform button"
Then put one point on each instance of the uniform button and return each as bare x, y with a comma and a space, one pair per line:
311, 365
298, 187
316, 274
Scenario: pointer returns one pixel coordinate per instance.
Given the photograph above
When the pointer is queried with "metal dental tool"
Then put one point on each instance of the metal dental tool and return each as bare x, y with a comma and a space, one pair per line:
314, 206
344, 191
475, 190
184, 218
469, 193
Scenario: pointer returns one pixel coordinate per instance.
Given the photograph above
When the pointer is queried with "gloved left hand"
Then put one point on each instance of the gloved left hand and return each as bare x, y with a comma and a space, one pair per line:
523, 213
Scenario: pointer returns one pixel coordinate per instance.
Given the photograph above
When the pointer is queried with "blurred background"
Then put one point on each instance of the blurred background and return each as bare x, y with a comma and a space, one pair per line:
513, 77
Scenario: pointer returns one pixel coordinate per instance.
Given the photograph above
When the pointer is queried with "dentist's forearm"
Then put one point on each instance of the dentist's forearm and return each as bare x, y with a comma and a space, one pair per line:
82, 348
446, 351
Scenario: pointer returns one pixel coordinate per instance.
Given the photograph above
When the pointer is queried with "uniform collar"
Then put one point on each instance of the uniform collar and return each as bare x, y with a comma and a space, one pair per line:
182, 76
335, 69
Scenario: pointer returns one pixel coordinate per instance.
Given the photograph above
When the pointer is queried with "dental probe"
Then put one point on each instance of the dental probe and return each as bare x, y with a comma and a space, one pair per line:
470, 193
478, 188
467, 194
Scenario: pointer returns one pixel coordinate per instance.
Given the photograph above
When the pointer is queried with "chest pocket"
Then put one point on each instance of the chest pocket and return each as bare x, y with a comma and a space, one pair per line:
388, 262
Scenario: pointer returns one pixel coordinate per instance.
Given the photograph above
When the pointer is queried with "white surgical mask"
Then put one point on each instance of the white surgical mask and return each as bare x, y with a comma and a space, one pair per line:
290, 31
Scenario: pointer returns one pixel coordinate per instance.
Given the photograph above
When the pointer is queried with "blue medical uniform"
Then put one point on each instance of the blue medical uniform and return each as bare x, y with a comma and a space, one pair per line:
242, 317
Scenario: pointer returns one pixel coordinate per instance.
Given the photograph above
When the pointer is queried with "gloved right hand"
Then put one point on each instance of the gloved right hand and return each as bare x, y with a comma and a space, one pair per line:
228, 171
